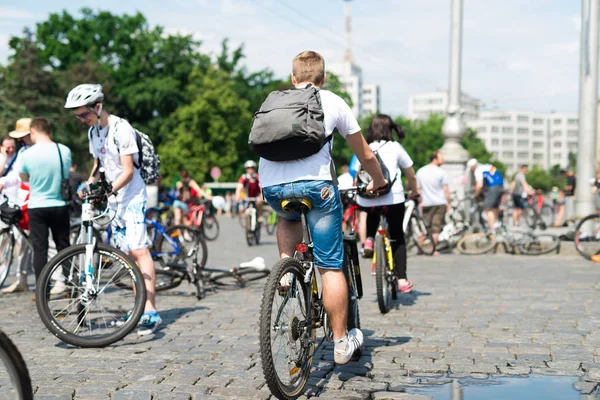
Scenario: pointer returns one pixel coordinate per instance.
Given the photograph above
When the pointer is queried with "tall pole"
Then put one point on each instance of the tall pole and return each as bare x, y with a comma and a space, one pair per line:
348, 11
454, 127
588, 102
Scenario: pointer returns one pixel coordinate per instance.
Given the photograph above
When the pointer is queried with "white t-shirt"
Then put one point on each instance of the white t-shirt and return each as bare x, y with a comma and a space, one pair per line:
103, 146
345, 180
432, 179
318, 166
394, 157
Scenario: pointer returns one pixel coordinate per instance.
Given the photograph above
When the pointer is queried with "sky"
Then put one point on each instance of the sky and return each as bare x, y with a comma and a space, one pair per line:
517, 54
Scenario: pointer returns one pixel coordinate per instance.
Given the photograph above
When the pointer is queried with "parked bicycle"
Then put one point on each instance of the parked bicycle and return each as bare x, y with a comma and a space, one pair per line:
202, 217
88, 308
587, 237
13, 241
272, 220
416, 231
16, 382
292, 310
526, 242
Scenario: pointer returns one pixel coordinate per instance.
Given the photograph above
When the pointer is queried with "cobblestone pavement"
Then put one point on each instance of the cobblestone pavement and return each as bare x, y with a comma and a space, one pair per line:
468, 317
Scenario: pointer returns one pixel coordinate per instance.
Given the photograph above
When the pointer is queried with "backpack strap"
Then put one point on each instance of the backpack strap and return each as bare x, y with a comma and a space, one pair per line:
138, 142
7, 170
395, 176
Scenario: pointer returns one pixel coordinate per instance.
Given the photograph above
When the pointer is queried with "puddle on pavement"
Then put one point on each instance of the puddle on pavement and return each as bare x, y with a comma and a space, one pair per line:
533, 387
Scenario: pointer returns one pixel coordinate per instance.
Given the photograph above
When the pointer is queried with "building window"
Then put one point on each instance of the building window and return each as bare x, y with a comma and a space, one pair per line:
507, 142
481, 129
572, 133
538, 156
557, 121
508, 154
556, 156
557, 145
507, 129
522, 143
538, 121
573, 121
522, 118
495, 154
522, 130
572, 146
495, 142
556, 133
537, 132
523, 155
538, 145
495, 129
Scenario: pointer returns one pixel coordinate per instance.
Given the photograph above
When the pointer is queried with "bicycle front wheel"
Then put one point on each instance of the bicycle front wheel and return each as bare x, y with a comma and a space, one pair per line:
7, 246
210, 227
534, 245
184, 245
476, 243
286, 332
16, 382
96, 316
350, 268
384, 278
587, 237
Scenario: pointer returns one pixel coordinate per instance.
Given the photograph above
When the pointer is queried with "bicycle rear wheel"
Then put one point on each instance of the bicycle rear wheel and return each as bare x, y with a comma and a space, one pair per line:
92, 318
353, 320
587, 237
210, 227
384, 278
535, 245
7, 247
287, 340
476, 243
422, 235
14, 377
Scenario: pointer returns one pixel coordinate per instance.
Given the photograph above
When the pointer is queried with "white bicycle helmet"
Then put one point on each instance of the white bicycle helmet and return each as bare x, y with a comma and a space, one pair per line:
249, 164
84, 95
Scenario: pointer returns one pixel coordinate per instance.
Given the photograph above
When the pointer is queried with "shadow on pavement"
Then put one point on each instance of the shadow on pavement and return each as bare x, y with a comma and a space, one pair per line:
409, 299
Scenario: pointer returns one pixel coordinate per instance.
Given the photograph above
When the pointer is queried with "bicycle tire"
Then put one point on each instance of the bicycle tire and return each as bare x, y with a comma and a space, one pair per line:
6, 254
228, 279
482, 243
588, 245
242, 220
54, 325
541, 244
16, 367
353, 320
210, 227
298, 374
428, 245
272, 221
384, 294
165, 280
257, 234
184, 236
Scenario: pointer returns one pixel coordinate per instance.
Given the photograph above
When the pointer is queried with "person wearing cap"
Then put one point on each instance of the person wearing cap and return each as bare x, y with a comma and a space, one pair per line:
114, 146
10, 181
8, 154
489, 181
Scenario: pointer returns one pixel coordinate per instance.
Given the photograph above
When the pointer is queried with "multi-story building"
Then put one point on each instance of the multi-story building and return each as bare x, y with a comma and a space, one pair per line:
523, 137
422, 105
370, 99
350, 75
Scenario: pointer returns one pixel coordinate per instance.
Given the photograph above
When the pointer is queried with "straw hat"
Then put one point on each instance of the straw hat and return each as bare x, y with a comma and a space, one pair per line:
21, 128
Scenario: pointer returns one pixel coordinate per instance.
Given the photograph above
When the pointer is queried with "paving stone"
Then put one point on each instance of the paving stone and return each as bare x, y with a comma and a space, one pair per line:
400, 396
585, 387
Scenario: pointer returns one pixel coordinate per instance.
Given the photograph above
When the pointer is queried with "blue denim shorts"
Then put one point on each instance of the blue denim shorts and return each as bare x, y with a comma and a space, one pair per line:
180, 204
324, 219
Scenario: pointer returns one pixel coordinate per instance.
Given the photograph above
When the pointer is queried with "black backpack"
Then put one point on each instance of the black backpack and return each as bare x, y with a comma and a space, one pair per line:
363, 178
289, 125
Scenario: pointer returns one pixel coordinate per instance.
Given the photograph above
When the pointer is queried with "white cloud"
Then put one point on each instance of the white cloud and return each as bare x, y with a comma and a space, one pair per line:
14, 13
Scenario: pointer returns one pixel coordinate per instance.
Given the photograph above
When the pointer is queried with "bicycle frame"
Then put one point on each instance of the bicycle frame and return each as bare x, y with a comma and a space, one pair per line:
382, 231
196, 215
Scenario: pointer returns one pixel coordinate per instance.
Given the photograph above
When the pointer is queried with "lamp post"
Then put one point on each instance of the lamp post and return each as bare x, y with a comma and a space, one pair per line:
588, 103
454, 128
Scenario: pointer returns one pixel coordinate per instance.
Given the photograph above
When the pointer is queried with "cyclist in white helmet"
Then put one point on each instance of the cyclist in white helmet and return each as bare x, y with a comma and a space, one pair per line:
250, 183
114, 147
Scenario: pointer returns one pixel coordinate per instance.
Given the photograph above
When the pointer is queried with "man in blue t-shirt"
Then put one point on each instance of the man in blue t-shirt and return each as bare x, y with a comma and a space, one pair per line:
45, 165
487, 176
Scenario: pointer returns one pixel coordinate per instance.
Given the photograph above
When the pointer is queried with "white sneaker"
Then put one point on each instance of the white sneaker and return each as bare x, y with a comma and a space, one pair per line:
17, 287
257, 262
344, 348
59, 287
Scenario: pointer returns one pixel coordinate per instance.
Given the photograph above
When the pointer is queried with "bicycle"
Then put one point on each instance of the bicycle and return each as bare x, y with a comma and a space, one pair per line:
587, 237
11, 215
252, 225
351, 214
89, 309
202, 217
386, 281
526, 242
416, 228
272, 221
16, 382
292, 310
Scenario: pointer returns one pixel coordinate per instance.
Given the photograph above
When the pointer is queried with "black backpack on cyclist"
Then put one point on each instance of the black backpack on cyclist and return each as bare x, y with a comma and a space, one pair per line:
363, 178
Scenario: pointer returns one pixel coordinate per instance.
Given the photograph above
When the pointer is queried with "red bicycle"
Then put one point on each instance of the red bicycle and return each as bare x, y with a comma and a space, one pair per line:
202, 217
350, 217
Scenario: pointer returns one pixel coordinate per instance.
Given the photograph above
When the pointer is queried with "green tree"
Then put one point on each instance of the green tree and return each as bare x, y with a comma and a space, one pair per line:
207, 129
421, 138
539, 178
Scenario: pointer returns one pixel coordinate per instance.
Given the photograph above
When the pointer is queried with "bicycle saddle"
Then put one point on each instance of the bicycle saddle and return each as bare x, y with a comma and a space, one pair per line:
296, 204
257, 262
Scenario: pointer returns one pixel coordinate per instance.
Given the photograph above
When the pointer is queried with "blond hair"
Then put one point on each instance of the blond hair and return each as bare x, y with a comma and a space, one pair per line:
309, 66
